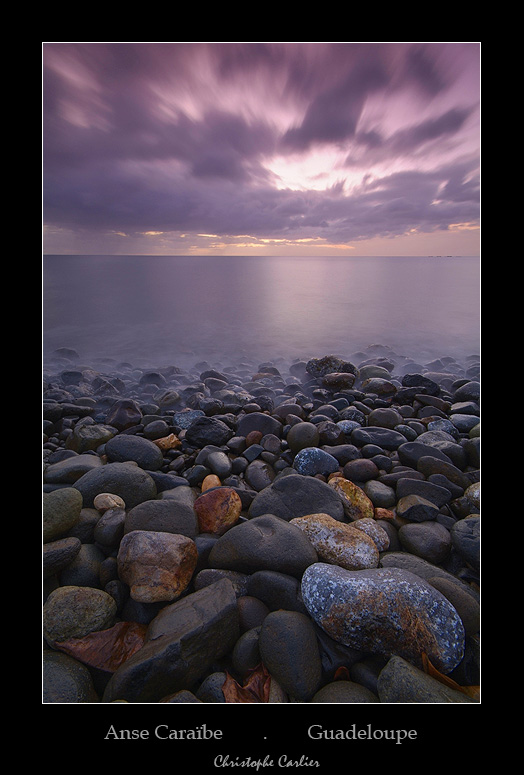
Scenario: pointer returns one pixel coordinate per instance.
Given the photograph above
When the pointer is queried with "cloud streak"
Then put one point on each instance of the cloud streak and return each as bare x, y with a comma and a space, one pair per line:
340, 143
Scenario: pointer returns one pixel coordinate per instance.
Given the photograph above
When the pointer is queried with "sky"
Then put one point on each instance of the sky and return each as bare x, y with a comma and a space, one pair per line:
261, 148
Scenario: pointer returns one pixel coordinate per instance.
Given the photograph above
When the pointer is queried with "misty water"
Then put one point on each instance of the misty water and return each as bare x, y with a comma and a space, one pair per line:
172, 310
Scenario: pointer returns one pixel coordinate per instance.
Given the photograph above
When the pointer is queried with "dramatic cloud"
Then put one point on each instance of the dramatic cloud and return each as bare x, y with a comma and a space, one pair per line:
154, 144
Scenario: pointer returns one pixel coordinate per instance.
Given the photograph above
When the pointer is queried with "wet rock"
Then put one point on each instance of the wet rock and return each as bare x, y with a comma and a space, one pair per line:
385, 611
182, 642
403, 682
289, 650
127, 480
156, 566
339, 543
263, 543
72, 612
295, 495
217, 510
61, 512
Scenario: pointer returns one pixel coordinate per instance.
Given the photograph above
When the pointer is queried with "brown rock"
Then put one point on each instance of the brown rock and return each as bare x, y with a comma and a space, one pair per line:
168, 442
211, 480
217, 510
156, 566
106, 500
254, 437
338, 380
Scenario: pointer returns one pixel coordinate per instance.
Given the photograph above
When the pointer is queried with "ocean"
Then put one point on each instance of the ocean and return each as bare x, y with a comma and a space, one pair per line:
154, 311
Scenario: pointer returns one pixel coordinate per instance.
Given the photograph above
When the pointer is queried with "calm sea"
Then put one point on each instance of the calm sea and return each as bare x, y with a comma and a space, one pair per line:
160, 310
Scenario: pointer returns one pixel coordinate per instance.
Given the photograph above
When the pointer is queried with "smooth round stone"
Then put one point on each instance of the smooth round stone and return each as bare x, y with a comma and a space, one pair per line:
259, 474
429, 540
174, 513
289, 650
344, 691
360, 470
219, 463
338, 542
427, 490
210, 690
84, 569
385, 611
294, 495
251, 612
73, 612
107, 500
61, 512
69, 470
126, 480
258, 421
276, 590
87, 437
57, 555
263, 543
313, 460
110, 528
385, 417
246, 654
380, 494
65, 680
124, 448
384, 438
208, 576
468, 392
301, 435
374, 531
156, 566
207, 430
465, 537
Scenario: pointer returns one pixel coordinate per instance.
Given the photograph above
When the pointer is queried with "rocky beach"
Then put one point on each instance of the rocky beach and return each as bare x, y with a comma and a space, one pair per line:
285, 531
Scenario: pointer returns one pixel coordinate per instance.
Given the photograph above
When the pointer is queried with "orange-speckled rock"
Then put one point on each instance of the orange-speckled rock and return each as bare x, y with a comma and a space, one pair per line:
339, 543
374, 531
217, 510
357, 505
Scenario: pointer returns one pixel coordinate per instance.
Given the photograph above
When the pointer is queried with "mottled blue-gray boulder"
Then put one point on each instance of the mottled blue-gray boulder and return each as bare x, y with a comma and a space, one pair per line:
61, 511
289, 650
186, 417
65, 680
72, 468
127, 480
263, 543
385, 611
295, 495
124, 448
465, 537
400, 681
313, 460
182, 642
208, 430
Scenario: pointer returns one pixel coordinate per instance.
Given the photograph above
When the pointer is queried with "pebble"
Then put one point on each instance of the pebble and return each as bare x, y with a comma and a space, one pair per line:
310, 517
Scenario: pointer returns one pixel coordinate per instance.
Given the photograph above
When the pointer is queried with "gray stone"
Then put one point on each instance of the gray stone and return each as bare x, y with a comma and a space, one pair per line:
429, 540
58, 554
465, 537
61, 512
289, 650
127, 480
73, 612
208, 430
258, 421
72, 468
182, 642
166, 515
382, 437
65, 680
295, 495
403, 682
145, 453
344, 691
263, 543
